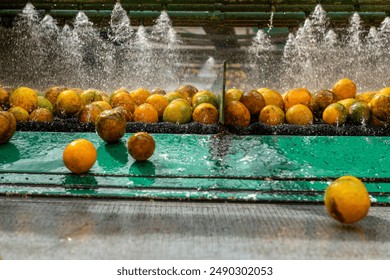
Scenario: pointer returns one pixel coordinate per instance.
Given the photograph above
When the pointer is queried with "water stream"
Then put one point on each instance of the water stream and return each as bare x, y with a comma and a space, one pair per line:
38, 53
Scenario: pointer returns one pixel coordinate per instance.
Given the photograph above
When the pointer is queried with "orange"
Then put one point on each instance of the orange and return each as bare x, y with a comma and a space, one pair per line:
365, 96
299, 114
170, 96
296, 96
41, 115
254, 101
52, 93
79, 156
385, 90
204, 96
272, 97
4, 97
347, 200
7, 126
233, 94
188, 91
110, 125
158, 91
320, 100
344, 88
141, 146
77, 90
91, 95
178, 111
360, 113
68, 104
335, 114
123, 98
20, 114
90, 112
1, 108
159, 102
347, 102
140, 95
237, 114
377, 122
103, 104
271, 115
145, 113
25, 98
205, 113
380, 106
45, 103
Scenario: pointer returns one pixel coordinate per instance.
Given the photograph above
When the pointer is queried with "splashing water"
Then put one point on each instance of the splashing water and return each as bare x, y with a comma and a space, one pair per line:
41, 54
316, 57
259, 56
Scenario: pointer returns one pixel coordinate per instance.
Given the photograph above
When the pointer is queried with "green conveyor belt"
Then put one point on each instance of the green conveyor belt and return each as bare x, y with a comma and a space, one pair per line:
204, 167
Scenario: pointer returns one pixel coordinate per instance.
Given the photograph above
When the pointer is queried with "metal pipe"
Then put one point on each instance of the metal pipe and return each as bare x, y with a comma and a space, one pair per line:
201, 15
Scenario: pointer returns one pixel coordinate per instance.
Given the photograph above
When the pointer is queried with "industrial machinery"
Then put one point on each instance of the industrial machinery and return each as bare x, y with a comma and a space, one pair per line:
286, 164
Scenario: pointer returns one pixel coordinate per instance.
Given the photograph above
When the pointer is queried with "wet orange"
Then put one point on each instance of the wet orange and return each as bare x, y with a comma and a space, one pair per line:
299, 114
45, 103
159, 102
347, 200
204, 96
385, 90
110, 125
79, 156
237, 114
365, 96
140, 95
233, 94
41, 115
7, 126
205, 113
188, 91
123, 98
272, 97
25, 98
90, 112
170, 96
178, 111
335, 114
68, 103
377, 122
159, 91
145, 113
272, 115
380, 106
52, 93
4, 97
296, 96
344, 88
91, 95
360, 113
20, 114
320, 100
103, 104
141, 146
347, 102
254, 101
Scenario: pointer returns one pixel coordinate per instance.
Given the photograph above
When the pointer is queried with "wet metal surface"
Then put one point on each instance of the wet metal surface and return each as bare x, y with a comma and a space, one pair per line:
50, 228
223, 167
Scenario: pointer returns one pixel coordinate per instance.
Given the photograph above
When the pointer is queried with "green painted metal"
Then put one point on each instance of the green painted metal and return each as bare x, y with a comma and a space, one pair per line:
206, 167
186, 12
